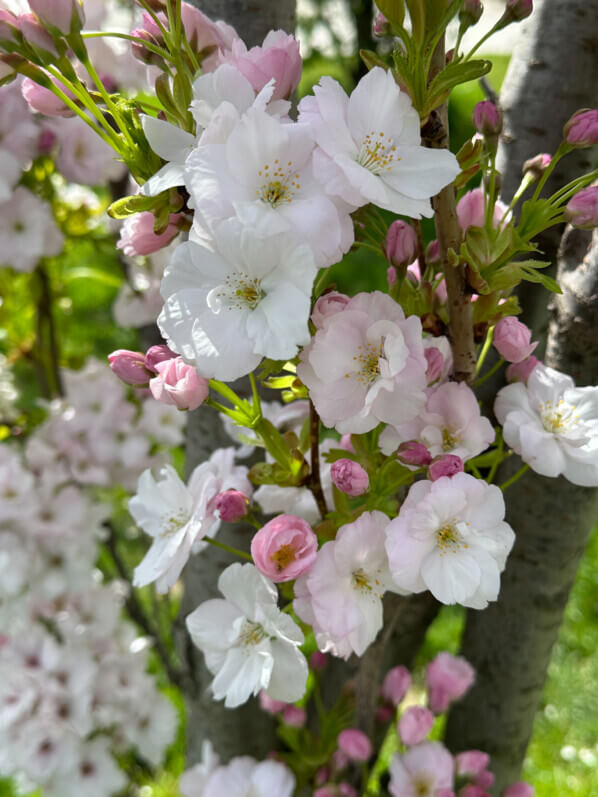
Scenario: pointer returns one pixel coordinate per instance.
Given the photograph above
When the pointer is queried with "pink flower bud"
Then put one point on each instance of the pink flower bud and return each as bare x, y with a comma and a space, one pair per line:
318, 661
433, 251
346, 790
471, 211
65, 15
269, 705
512, 339
445, 465
519, 9
400, 245
179, 384
484, 779
519, 789
346, 444
294, 716
391, 276
413, 453
381, 27
9, 26
46, 141
45, 101
396, 685
339, 761
278, 57
435, 362
471, 12
471, 762
384, 714
415, 724
582, 209
231, 505
582, 129
444, 793
129, 366
284, 548
36, 35
329, 790
471, 790
449, 678
349, 477
321, 776
487, 118
537, 165
140, 51
327, 305
137, 236
355, 744
158, 354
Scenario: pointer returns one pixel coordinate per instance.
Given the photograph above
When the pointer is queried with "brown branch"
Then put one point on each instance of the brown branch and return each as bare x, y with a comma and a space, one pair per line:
47, 338
315, 482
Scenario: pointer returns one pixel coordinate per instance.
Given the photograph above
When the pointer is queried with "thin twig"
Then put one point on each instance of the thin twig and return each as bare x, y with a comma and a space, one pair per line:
315, 482
45, 323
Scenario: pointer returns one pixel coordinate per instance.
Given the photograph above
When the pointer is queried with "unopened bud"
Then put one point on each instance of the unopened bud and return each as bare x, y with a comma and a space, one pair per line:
537, 165
140, 51
400, 244
582, 209
62, 16
294, 716
445, 465
516, 10
470, 13
433, 252
396, 684
413, 453
129, 366
318, 661
582, 129
349, 477
157, 354
37, 36
231, 505
520, 372
487, 118
381, 26
355, 744
415, 724
9, 27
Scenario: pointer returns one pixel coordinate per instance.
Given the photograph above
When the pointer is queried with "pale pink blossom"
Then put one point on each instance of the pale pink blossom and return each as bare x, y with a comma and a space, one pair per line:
138, 237
328, 304
178, 383
284, 548
19, 133
355, 745
450, 537
415, 724
278, 57
341, 596
349, 477
366, 365
448, 678
396, 684
245, 777
66, 15
28, 231
471, 210
44, 101
520, 372
422, 771
83, 157
512, 339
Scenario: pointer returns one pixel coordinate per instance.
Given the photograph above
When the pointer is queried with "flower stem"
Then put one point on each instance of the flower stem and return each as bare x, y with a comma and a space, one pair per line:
514, 477
228, 548
315, 483
490, 373
485, 350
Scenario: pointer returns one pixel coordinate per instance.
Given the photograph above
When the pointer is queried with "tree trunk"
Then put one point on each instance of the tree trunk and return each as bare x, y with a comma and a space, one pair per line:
510, 643
552, 73
244, 731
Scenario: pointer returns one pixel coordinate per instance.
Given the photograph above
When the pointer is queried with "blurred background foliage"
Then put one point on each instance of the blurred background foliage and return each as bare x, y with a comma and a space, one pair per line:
563, 755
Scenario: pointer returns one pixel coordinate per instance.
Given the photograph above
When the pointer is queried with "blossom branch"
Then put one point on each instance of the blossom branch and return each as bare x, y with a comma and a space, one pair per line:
315, 482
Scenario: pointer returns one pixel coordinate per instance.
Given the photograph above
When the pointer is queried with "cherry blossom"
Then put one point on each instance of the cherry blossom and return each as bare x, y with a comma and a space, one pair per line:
28, 231
423, 770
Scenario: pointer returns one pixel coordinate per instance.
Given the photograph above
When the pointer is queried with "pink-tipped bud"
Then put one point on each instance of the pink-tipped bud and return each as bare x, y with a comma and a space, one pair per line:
45, 101
519, 9
346, 444
129, 366
140, 51
349, 477
327, 305
391, 276
9, 26
269, 705
231, 505
485, 779
179, 384
512, 339
46, 141
400, 245
537, 165
355, 744
582, 129
519, 789
65, 16
582, 209
433, 251
415, 724
470, 13
294, 716
413, 453
449, 678
37, 36
158, 354
395, 685
435, 362
471, 762
138, 237
318, 661
445, 465
520, 372
284, 548
384, 714
381, 27
487, 118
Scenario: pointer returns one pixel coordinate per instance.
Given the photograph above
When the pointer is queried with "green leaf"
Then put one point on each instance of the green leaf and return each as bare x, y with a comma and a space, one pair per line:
129, 205
417, 12
393, 10
453, 75
84, 272
372, 59
532, 275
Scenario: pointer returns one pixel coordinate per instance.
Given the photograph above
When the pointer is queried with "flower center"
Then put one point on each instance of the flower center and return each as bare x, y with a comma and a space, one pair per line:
558, 418
279, 184
449, 539
361, 581
377, 153
367, 361
283, 557
421, 787
449, 442
241, 292
251, 634
175, 522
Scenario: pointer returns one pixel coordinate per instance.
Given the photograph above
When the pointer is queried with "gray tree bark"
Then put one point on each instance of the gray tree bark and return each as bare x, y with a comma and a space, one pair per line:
244, 731
510, 643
